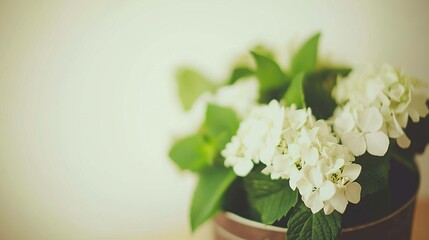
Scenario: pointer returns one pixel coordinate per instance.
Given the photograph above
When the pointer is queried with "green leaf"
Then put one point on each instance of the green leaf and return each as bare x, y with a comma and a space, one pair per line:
192, 153
208, 195
221, 124
318, 91
304, 225
240, 72
295, 92
306, 57
264, 51
268, 72
191, 85
374, 176
271, 198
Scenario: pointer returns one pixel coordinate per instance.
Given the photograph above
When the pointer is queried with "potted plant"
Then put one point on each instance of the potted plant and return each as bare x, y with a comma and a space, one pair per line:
314, 152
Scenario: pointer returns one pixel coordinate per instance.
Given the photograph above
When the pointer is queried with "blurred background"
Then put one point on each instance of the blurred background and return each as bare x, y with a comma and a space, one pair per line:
88, 101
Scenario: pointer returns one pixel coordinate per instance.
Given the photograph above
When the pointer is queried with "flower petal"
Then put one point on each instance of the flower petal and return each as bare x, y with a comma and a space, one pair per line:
396, 91
315, 177
344, 122
352, 171
353, 192
295, 176
377, 143
293, 150
280, 164
314, 203
310, 156
355, 142
339, 163
304, 188
298, 118
328, 209
373, 89
403, 141
267, 153
339, 201
370, 120
393, 128
418, 107
242, 168
327, 190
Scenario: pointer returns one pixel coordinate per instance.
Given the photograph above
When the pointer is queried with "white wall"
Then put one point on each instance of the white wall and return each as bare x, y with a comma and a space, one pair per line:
88, 102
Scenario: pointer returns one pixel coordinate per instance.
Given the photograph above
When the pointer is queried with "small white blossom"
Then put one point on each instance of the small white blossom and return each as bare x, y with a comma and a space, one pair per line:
361, 130
238, 156
375, 104
256, 138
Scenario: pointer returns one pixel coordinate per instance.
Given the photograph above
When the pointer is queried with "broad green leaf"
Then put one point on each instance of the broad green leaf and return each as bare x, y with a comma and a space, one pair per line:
271, 198
221, 124
192, 153
243, 67
306, 57
304, 225
191, 85
295, 92
268, 72
240, 72
374, 176
208, 195
318, 88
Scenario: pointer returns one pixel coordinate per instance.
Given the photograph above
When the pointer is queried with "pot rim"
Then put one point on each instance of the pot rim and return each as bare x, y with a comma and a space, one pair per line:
255, 224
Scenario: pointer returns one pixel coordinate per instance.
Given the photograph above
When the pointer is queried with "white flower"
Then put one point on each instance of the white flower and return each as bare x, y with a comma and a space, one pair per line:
375, 104
236, 155
242, 96
362, 85
347, 189
330, 184
256, 140
361, 130
310, 156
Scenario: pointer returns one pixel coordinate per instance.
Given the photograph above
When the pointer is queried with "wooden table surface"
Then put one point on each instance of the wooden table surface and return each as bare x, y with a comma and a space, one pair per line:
421, 220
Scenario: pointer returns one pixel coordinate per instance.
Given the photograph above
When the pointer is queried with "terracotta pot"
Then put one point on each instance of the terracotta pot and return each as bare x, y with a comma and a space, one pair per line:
395, 226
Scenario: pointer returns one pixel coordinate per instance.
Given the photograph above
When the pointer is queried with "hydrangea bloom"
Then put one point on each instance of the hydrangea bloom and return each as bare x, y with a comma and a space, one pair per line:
374, 105
294, 146
310, 156
256, 138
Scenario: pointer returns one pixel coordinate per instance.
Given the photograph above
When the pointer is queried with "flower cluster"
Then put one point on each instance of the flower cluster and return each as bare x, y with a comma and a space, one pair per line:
293, 145
375, 104
256, 138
